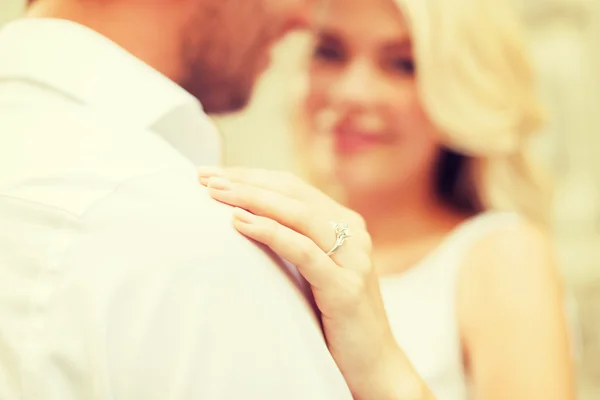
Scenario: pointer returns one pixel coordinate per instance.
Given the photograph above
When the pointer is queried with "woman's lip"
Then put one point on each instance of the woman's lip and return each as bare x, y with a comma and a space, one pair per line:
349, 141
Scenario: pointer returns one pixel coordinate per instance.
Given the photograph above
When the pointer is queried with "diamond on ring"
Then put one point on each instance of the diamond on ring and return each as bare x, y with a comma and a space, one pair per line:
342, 232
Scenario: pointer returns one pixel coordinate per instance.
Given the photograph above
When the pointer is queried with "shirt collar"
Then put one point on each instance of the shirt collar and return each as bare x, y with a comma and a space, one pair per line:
89, 68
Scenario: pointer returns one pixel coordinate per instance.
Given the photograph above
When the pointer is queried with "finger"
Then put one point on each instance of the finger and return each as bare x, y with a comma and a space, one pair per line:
285, 210
284, 183
273, 205
205, 173
278, 181
316, 267
290, 185
252, 176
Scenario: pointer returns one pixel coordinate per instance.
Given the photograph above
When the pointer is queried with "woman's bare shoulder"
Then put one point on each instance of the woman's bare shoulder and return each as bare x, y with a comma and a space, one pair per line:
511, 315
511, 270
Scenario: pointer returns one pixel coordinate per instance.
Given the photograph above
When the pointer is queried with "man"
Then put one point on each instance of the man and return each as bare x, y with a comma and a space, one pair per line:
119, 277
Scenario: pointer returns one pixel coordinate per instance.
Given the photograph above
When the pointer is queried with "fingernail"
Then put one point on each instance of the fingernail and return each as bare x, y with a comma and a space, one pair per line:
219, 183
243, 216
207, 172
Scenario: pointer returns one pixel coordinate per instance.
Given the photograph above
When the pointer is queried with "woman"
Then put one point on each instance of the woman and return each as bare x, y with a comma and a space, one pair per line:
417, 117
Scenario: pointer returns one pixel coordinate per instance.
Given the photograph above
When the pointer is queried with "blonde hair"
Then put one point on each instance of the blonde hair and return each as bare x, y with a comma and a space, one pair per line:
477, 86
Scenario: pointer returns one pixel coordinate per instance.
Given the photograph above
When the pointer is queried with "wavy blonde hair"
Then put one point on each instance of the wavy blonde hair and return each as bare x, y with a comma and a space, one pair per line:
477, 85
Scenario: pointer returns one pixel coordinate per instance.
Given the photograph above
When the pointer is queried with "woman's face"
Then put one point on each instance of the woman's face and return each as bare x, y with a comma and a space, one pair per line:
367, 127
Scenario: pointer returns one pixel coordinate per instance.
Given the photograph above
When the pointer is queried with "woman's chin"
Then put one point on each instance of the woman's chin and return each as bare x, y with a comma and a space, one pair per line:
361, 184
353, 176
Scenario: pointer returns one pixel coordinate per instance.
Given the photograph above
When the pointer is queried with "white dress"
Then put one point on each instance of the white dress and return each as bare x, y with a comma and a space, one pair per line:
421, 307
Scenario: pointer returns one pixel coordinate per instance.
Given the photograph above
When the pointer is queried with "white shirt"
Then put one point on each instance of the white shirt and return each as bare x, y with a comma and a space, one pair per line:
119, 277
422, 309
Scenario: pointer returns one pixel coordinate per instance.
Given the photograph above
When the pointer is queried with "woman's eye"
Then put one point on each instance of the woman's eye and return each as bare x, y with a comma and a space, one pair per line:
328, 53
403, 65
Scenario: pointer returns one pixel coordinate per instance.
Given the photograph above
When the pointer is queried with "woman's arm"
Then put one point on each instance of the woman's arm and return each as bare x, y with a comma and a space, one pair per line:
511, 313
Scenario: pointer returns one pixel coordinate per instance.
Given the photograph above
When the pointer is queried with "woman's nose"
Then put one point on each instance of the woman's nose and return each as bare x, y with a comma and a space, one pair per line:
358, 86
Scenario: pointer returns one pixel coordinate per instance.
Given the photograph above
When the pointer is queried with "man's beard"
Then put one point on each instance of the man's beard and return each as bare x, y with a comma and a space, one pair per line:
214, 71
219, 93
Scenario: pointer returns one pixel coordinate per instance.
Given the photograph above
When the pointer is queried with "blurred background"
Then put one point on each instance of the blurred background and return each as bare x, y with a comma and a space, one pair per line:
565, 41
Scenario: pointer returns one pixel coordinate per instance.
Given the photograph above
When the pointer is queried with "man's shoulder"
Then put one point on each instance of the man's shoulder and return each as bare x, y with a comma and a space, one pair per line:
69, 157
170, 210
165, 227
119, 184
167, 262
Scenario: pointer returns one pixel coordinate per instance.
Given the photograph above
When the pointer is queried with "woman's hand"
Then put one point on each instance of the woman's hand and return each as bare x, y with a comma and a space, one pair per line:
294, 220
